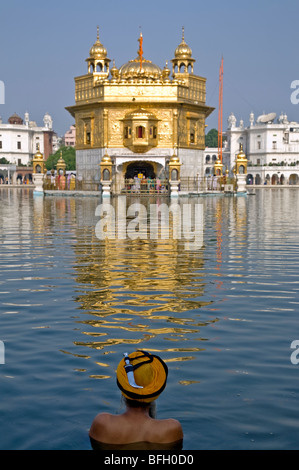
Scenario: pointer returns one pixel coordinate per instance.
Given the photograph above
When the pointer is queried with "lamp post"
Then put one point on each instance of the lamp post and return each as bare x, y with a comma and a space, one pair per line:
106, 175
241, 170
61, 167
38, 171
174, 175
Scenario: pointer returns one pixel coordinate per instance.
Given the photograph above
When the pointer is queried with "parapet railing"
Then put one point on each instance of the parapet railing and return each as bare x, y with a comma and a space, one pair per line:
145, 186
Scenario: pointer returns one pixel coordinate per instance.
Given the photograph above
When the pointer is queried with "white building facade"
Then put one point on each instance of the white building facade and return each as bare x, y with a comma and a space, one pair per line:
20, 139
271, 145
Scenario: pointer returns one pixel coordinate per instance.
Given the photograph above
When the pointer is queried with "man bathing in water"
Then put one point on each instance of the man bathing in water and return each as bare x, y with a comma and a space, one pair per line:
141, 378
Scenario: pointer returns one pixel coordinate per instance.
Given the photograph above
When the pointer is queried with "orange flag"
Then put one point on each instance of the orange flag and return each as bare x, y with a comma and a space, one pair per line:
140, 53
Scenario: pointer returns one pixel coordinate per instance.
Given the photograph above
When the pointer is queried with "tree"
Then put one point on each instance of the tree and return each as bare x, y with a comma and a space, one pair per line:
3, 161
212, 138
68, 155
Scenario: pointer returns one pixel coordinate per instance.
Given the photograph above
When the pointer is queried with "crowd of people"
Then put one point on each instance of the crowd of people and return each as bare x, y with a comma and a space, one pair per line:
142, 184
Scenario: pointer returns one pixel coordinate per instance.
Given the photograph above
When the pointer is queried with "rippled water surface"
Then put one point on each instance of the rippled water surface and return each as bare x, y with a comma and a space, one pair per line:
222, 314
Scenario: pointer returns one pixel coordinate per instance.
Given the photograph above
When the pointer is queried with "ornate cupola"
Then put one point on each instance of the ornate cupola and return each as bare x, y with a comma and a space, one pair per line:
98, 63
183, 61
241, 162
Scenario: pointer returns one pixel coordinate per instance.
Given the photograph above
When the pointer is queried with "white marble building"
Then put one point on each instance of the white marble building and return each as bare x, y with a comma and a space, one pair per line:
20, 139
271, 145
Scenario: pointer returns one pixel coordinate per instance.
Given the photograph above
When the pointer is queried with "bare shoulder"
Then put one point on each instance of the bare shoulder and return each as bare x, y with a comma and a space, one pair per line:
170, 430
99, 425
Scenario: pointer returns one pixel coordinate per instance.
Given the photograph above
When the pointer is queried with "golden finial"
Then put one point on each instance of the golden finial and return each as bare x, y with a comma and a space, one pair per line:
98, 33
183, 33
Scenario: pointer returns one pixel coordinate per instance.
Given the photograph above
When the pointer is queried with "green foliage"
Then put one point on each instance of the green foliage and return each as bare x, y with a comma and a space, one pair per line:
212, 138
68, 155
3, 161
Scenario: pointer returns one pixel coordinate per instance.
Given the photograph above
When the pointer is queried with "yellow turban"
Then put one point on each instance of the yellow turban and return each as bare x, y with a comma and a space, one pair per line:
150, 372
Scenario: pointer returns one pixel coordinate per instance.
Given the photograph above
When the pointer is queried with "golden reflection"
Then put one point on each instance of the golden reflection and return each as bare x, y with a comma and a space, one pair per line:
142, 293
219, 216
180, 359
100, 376
136, 291
189, 382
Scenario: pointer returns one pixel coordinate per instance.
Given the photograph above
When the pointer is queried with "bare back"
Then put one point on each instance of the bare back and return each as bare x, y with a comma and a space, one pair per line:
133, 427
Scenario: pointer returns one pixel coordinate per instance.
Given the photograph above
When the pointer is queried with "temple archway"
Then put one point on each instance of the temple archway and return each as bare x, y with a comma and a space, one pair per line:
136, 168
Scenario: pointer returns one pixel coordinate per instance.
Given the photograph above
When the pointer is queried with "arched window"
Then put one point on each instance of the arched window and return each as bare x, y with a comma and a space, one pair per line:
153, 132
140, 132
241, 170
208, 158
174, 175
106, 175
258, 179
214, 158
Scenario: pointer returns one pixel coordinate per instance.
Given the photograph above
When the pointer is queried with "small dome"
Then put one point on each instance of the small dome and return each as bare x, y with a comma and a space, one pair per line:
166, 72
183, 51
106, 158
38, 155
174, 159
15, 119
114, 71
98, 51
241, 155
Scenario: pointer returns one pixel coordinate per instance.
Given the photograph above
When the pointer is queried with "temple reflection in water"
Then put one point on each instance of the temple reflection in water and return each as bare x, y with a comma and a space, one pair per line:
145, 293
141, 288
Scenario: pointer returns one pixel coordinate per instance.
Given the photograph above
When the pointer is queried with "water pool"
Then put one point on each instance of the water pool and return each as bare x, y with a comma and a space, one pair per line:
222, 315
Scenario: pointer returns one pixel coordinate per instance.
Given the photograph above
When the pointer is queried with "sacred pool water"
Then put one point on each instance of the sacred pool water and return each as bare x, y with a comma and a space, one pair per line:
220, 308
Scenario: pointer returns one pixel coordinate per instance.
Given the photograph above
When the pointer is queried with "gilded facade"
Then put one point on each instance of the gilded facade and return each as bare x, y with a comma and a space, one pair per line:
140, 115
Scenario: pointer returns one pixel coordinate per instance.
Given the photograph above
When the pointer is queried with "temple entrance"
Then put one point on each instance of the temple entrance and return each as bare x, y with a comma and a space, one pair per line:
142, 178
140, 168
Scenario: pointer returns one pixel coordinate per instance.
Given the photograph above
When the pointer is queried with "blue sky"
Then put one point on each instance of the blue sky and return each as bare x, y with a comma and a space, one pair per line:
44, 46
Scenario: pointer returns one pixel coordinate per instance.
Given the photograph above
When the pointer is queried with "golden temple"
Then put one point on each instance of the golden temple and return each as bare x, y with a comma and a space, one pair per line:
140, 116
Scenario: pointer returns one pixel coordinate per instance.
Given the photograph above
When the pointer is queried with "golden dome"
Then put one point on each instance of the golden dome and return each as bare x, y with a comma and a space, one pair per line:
98, 51
166, 72
38, 155
241, 155
183, 51
174, 159
106, 158
133, 69
114, 71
